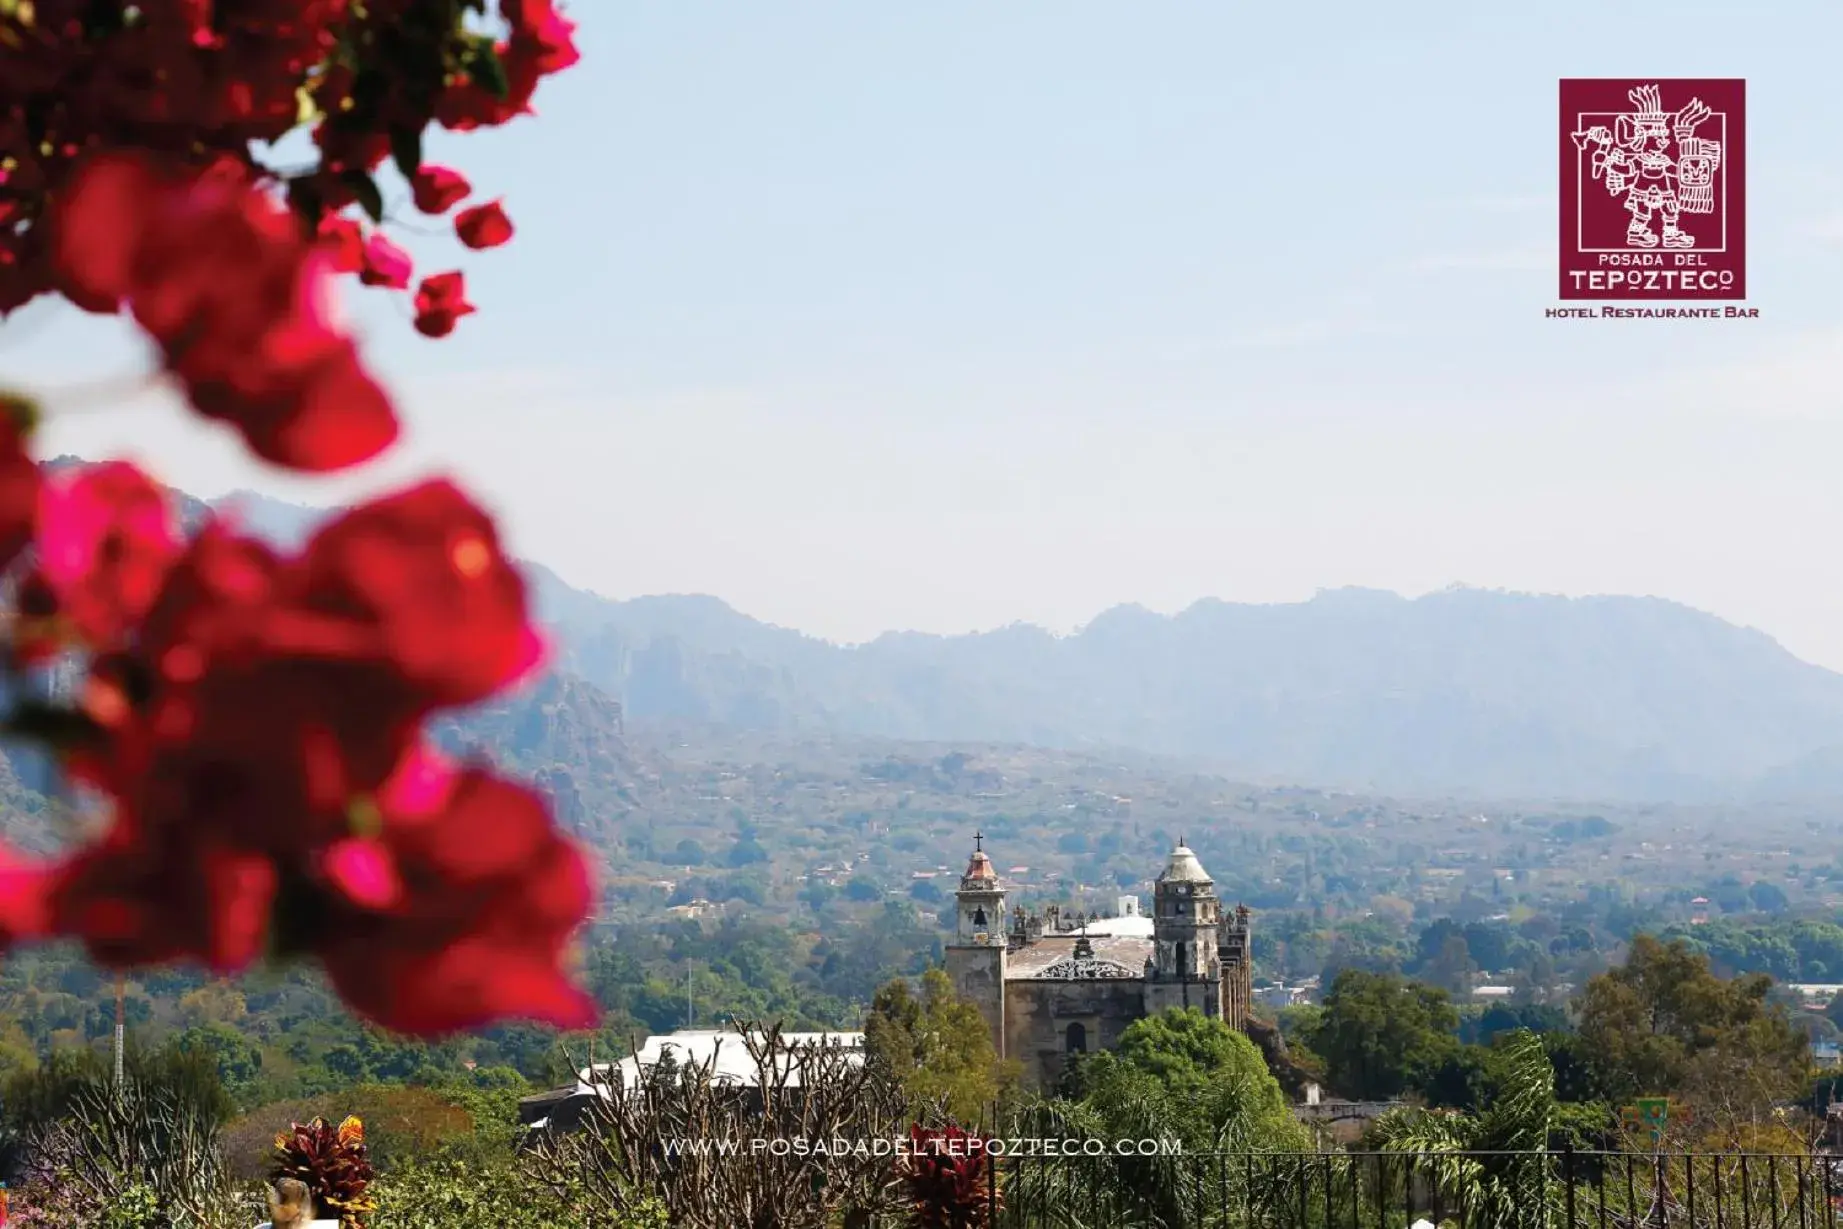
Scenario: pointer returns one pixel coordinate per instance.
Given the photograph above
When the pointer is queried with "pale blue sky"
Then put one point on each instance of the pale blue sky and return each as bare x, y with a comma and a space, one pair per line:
866, 315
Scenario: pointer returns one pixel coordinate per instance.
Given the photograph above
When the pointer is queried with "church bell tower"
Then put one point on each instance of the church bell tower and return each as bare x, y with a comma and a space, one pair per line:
1186, 967
976, 957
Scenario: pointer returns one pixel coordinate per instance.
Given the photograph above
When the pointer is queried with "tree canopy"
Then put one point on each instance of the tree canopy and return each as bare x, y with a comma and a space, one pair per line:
1183, 1074
1380, 1034
1663, 1022
937, 1046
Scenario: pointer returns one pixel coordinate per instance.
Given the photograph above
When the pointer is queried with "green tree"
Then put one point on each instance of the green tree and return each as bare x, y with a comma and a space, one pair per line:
747, 852
1501, 1018
1487, 1158
1767, 897
1451, 968
937, 1046
1834, 1011
1203, 1078
1174, 1076
238, 1059
1380, 1034
1188, 1052
1663, 1023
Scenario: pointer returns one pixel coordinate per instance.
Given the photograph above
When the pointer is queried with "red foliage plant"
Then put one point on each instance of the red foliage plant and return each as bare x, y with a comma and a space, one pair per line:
949, 1176
332, 1163
256, 720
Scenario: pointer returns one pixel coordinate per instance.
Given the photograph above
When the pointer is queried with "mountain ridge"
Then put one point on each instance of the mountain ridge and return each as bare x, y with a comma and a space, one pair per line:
1489, 692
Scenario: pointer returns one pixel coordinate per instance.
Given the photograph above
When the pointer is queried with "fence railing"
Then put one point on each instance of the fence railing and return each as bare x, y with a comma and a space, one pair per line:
1460, 1190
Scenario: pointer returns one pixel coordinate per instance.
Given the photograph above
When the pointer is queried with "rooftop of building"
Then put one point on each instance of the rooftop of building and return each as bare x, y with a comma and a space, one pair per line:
1031, 961
1128, 924
1137, 926
732, 1063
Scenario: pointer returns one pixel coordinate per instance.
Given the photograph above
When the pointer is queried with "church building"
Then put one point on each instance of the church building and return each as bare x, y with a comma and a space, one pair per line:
1051, 986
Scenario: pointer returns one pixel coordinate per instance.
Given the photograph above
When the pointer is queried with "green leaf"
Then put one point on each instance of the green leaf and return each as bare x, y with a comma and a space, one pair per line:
101, 21
24, 411
484, 67
370, 89
406, 149
51, 725
305, 199
366, 189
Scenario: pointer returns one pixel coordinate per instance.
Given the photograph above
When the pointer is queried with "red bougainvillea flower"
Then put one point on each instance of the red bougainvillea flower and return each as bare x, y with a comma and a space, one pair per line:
424, 568
344, 243
541, 42
542, 34
236, 296
106, 538
437, 189
364, 872
261, 739
483, 226
144, 897
347, 151
385, 264
441, 301
186, 80
468, 104
20, 478
275, 684
492, 896
257, 720
458, 912
26, 887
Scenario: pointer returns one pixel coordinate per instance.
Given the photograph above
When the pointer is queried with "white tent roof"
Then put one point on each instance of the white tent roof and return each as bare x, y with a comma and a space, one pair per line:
733, 1063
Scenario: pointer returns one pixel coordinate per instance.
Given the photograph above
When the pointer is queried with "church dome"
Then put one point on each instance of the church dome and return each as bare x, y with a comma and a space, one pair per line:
1184, 868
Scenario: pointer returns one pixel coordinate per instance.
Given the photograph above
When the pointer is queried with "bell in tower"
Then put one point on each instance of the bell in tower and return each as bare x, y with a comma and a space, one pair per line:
976, 957
981, 901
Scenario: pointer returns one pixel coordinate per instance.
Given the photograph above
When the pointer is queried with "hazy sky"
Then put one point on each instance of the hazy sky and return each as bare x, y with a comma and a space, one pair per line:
942, 316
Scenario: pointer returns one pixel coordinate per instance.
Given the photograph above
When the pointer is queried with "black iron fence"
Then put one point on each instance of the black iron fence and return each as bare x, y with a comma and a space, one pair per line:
1471, 1190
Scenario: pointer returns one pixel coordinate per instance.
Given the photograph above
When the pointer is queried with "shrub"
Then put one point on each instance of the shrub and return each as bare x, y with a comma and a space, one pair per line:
399, 1122
946, 1178
450, 1191
139, 1156
332, 1162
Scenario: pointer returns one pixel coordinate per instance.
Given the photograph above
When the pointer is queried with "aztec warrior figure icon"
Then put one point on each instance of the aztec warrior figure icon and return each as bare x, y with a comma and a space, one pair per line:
1634, 159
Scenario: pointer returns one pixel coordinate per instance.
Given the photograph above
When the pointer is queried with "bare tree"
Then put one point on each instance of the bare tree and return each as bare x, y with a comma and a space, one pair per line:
138, 1138
810, 1142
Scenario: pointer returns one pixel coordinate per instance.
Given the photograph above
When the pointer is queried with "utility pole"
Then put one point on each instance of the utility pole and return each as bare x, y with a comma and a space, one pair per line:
121, 1026
691, 1009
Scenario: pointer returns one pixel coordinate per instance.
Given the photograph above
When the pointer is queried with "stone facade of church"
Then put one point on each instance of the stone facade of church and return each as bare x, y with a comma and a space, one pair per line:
1050, 986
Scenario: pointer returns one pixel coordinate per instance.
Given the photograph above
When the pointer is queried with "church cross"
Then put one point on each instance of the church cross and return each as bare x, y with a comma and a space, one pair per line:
978, 842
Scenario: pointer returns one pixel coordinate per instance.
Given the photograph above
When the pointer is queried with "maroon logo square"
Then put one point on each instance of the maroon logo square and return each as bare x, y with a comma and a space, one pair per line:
1653, 188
